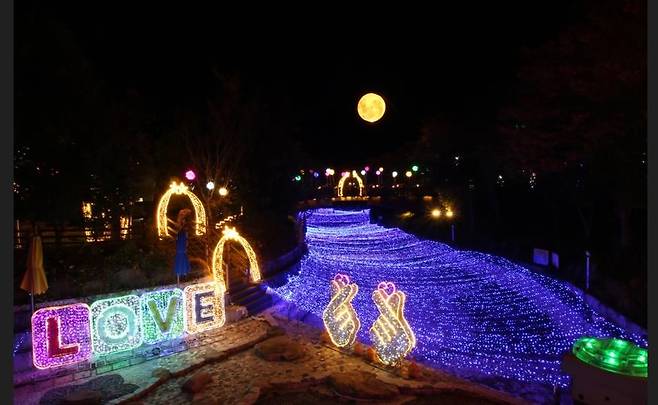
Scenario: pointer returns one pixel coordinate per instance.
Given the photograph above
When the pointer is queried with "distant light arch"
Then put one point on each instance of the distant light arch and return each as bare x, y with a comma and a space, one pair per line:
341, 182
163, 205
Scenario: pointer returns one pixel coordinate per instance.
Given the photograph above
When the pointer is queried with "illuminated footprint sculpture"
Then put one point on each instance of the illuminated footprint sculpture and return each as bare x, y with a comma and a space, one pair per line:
339, 317
391, 335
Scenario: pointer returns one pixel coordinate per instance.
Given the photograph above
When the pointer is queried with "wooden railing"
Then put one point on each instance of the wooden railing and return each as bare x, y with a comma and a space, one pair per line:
69, 235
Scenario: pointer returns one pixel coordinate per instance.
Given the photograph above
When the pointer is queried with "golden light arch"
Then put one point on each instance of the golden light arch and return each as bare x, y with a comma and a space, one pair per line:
199, 211
341, 182
230, 234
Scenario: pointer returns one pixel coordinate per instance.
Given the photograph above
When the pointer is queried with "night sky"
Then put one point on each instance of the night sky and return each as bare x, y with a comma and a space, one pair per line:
455, 62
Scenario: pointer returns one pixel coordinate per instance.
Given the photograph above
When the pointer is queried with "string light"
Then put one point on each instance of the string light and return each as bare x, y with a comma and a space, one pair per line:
190, 175
436, 213
210, 185
340, 318
474, 314
199, 211
391, 335
162, 315
73, 333
61, 336
116, 324
394, 174
124, 223
223, 191
203, 311
341, 182
230, 234
86, 210
408, 174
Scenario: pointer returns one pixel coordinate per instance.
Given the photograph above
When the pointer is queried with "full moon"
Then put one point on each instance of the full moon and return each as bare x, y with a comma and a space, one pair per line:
371, 107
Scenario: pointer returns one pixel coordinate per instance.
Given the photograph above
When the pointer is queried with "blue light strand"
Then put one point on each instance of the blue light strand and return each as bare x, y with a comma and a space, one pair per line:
471, 312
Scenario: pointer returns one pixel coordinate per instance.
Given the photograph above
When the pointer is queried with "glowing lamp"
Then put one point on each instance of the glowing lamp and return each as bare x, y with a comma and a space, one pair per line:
316, 174
414, 168
210, 185
367, 168
378, 172
381, 169
223, 191
436, 213
408, 174
394, 174
298, 178
371, 107
614, 355
449, 213
363, 172
190, 175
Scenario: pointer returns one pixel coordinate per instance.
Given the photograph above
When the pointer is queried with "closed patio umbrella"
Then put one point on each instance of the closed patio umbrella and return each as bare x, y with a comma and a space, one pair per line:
34, 279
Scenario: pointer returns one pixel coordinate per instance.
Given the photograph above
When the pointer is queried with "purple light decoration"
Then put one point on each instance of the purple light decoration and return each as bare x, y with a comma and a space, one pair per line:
190, 175
61, 336
316, 174
474, 314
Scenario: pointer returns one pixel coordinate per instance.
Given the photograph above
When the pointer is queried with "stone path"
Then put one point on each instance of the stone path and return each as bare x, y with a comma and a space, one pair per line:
269, 359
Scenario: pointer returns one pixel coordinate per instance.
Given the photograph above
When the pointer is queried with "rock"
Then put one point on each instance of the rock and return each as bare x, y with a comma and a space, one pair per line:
197, 382
161, 372
270, 319
360, 349
371, 355
214, 355
83, 397
276, 331
362, 385
403, 371
415, 371
251, 397
235, 312
279, 348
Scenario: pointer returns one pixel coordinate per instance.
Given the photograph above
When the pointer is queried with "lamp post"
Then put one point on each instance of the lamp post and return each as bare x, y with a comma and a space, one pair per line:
587, 255
449, 215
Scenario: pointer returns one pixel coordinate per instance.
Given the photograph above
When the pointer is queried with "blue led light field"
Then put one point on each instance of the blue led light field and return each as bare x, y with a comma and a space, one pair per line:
470, 311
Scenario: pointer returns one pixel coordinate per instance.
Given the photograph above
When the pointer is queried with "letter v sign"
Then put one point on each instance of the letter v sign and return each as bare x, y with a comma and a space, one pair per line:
164, 324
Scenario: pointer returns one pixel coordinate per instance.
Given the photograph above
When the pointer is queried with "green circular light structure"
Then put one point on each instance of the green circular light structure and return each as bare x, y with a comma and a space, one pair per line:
614, 355
414, 168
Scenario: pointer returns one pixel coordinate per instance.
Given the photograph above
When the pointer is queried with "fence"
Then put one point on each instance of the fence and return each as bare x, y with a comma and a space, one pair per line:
70, 235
